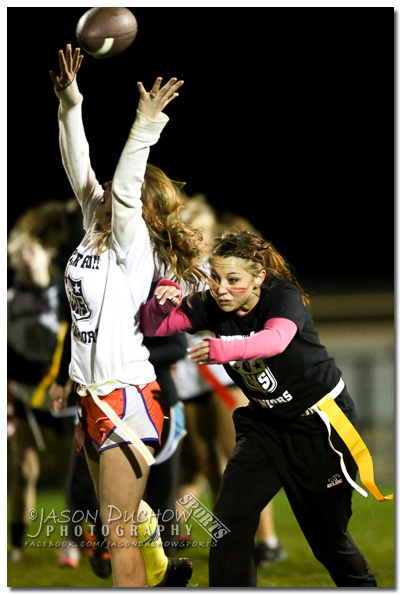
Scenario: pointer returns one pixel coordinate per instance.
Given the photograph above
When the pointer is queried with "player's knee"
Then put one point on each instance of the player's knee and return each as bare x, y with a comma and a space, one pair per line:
328, 550
235, 523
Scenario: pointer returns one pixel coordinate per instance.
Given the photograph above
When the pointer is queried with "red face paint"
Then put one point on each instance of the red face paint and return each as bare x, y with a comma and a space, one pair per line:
237, 289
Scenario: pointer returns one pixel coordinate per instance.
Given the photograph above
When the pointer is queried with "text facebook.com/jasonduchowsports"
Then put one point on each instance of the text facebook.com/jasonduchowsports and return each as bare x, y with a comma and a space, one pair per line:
81, 529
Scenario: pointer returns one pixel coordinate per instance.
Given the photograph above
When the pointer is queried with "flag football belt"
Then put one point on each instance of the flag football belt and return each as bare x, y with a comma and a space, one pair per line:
333, 416
40, 392
123, 430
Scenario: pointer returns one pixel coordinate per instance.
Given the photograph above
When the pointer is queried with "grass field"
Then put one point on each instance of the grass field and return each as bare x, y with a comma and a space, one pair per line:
372, 527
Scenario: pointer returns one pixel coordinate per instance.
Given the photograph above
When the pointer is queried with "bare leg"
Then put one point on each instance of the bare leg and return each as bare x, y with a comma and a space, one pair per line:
266, 528
25, 474
120, 476
206, 453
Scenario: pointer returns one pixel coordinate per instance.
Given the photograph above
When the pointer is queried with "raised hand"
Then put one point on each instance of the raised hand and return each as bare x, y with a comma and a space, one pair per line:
151, 104
69, 65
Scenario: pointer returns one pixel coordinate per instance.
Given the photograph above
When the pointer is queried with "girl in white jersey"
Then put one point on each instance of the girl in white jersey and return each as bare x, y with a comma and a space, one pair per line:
129, 223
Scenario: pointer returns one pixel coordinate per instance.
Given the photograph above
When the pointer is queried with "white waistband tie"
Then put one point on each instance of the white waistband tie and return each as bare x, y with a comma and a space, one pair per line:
123, 430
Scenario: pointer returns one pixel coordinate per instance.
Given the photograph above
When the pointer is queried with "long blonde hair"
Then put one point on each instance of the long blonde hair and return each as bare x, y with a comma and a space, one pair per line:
177, 246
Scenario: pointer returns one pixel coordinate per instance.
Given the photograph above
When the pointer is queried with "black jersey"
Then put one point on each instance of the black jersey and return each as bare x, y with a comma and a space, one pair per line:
286, 384
33, 317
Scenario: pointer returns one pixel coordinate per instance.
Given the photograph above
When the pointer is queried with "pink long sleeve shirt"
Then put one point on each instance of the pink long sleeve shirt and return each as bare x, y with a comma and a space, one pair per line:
160, 320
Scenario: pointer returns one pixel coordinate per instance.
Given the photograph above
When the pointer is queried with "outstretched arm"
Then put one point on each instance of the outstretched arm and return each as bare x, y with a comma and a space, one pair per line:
271, 341
161, 315
73, 143
130, 171
153, 103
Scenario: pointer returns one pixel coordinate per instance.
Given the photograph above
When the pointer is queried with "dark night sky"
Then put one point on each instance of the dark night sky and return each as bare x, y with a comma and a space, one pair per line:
286, 117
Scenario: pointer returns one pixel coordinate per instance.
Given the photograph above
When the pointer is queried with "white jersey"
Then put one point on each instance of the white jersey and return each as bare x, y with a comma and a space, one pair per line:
105, 291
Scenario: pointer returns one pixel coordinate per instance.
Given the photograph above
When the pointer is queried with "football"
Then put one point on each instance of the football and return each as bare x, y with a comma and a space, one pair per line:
106, 32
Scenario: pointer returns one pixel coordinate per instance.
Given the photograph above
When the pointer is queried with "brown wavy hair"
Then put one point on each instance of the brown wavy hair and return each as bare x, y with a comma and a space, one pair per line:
177, 246
259, 254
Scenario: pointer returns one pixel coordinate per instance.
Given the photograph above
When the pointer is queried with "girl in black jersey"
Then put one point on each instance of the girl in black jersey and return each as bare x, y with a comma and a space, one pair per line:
266, 339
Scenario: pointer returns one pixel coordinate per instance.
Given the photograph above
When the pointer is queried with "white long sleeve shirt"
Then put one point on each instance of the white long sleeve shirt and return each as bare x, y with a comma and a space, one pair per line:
106, 291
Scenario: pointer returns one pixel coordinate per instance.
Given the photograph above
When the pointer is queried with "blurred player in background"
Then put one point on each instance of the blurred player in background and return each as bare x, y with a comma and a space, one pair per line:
36, 325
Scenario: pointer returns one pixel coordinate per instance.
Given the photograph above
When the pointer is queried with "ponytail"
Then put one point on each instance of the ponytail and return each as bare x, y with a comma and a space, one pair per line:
178, 247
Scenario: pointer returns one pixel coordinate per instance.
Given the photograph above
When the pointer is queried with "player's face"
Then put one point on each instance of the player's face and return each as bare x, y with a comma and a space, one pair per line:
103, 211
233, 287
205, 223
31, 262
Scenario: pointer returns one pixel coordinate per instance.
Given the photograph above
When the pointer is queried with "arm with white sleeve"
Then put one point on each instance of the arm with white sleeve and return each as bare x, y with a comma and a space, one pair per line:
73, 143
129, 178
130, 171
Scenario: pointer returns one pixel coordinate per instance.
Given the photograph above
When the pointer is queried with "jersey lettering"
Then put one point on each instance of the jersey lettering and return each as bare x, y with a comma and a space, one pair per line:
271, 403
84, 336
91, 261
235, 337
267, 380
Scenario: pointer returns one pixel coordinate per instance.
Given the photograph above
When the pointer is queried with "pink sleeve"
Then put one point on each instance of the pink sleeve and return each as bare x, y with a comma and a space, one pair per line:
273, 340
158, 320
